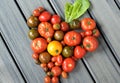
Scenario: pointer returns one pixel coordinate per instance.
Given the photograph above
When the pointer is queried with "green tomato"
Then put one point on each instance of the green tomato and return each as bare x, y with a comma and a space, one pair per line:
67, 51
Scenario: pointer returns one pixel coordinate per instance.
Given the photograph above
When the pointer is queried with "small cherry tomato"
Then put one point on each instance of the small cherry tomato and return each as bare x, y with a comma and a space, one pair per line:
64, 74
96, 33
88, 24
50, 65
55, 19
43, 65
55, 80
64, 26
90, 43
41, 9
88, 33
47, 79
56, 71
56, 26
82, 34
36, 12
79, 52
54, 59
45, 16
49, 39
59, 59
35, 56
58, 64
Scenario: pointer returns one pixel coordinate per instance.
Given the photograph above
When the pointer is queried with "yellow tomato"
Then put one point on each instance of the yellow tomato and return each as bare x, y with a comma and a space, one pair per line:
54, 48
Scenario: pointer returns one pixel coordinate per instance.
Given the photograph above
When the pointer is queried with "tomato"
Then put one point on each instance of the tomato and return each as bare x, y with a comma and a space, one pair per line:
59, 35
90, 43
79, 52
54, 48
64, 26
43, 65
88, 24
59, 59
67, 51
74, 24
56, 71
54, 59
96, 33
35, 56
41, 9
63, 43
55, 19
72, 38
45, 29
68, 65
50, 65
88, 33
47, 79
49, 39
45, 16
82, 34
36, 12
56, 26
39, 45
44, 57
64, 74
58, 64
55, 80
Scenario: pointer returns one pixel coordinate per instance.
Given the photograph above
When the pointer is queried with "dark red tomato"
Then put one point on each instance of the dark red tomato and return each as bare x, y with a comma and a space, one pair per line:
41, 9
45, 29
45, 16
59, 59
79, 52
36, 12
50, 65
55, 80
96, 33
55, 19
47, 79
88, 33
90, 43
88, 24
35, 56
72, 38
64, 26
82, 34
56, 71
68, 65
39, 45
54, 59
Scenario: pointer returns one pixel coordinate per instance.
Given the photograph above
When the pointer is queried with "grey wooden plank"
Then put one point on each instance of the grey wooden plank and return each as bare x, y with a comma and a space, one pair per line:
14, 30
83, 74
8, 70
101, 63
107, 14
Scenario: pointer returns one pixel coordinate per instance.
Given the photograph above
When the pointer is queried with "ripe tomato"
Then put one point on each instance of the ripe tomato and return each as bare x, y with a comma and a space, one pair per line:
35, 56
88, 33
50, 65
59, 59
79, 52
96, 33
43, 65
56, 26
39, 45
41, 9
54, 48
82, 34
56, 71
55, 80
72, 38
88, 24
36, 12
64, 74
55, 19
68, 64
47, 79
58, 64
64, 26
54, 59
90, 43
45, 29
45, 16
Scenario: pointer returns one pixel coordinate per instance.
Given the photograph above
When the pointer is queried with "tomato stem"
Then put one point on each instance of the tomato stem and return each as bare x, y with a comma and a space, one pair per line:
88, 22
88, 45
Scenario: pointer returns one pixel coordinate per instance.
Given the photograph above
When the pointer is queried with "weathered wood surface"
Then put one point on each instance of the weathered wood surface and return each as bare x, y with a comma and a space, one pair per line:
8, 71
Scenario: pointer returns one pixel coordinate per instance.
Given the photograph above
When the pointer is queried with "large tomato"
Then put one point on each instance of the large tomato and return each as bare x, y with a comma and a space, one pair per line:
68, 64
88, 24
90, 43
79, 52
72, 38
39, 45
45, 29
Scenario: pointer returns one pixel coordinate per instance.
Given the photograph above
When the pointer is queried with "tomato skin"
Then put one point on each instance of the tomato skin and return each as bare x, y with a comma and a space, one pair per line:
79, 52
59, 59
47, 79
88, 24
82, 34
45, 16
90, 43
64, 26
68, 65
55, 19
56, 26
41, 9
96, 33
50, 65
72, 38
43, 65
64, 74
56, 71
45, 29
55, 80
35, 56
54, 59
88, 33
36, 12
39, 45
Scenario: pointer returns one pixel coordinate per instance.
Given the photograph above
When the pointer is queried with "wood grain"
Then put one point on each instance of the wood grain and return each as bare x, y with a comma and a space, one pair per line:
8, 70
101, 63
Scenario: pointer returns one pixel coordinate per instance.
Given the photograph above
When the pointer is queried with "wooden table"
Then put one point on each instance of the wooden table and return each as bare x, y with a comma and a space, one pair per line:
16, 63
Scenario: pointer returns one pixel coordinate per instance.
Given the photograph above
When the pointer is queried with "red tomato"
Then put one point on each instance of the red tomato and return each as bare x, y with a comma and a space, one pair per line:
55, 19
88, 24
59, 59
45, 29
58, 64
36, 12
82, 34
56, 71
50, 65
90, 43
45, 16
64, 26
47, 79
54, 59
35, 56
79, 52
55, 80
72, 38
96, 33
39, 45
68, 65
41, 9
43, 65
88, 33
